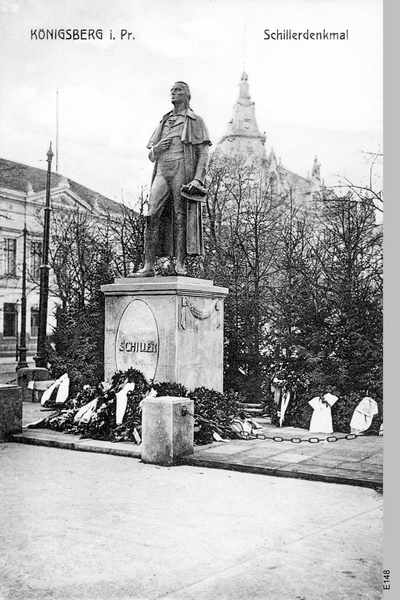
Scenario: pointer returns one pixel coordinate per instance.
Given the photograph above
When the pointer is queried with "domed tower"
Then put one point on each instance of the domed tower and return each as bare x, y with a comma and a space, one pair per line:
243, 135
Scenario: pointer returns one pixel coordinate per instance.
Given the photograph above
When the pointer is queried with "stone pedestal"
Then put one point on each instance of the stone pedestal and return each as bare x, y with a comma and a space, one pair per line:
25, 376
169, 328
10, 411
167, 429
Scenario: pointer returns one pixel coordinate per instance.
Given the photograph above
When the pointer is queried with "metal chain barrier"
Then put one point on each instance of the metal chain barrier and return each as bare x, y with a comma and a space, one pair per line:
244, 435
297, 440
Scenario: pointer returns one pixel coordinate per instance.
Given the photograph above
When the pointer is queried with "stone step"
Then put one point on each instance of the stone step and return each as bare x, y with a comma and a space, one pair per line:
253, 411
250, 405
263, 420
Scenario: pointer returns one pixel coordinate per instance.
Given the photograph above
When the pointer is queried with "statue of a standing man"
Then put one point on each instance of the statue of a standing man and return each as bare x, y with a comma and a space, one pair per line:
179, 147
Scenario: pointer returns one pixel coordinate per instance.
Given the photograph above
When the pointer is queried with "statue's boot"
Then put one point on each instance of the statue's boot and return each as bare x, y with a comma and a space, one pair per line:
147, 271
149, 253
180, 269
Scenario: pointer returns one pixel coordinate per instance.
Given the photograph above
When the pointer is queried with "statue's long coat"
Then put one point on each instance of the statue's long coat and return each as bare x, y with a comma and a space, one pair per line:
195, 140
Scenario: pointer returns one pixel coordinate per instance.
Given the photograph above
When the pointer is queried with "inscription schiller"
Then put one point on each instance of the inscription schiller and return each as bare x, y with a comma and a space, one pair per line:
137, 343
138, 347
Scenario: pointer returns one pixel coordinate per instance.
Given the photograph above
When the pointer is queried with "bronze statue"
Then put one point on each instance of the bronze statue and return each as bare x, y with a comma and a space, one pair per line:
179, 147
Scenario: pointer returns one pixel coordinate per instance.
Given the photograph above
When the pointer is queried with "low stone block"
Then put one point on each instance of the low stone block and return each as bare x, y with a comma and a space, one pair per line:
167, 429
10, 411
25, 376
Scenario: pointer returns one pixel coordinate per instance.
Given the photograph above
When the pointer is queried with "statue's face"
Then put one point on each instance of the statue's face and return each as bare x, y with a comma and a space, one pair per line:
178, 94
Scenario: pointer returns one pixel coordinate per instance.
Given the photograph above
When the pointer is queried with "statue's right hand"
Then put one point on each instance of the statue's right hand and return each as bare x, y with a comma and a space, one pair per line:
161, 146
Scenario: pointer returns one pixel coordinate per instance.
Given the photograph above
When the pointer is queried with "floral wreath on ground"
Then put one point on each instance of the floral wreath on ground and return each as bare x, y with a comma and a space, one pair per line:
113, 411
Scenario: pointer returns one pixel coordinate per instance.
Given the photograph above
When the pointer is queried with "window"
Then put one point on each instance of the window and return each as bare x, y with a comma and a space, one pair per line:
10, 257
36, 259
34, 322
10, 320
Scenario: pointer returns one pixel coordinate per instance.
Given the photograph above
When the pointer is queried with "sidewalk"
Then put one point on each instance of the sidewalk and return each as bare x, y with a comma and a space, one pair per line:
354, 462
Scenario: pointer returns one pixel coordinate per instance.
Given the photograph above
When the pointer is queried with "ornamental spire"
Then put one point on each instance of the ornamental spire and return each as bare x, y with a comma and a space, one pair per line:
243, 134
244, 94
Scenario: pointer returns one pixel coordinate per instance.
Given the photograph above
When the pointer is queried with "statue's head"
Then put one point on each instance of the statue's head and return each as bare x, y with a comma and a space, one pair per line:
180, 92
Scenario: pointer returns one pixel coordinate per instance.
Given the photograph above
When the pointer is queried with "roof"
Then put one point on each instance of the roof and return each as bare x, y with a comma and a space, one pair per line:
293, 179
16, 176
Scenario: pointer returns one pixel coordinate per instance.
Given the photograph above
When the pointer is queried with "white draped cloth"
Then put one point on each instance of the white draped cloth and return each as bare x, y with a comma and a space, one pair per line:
321, 420
276, 389
284, 405
281, 398
86, 412
122, 400
363, 415
63, 389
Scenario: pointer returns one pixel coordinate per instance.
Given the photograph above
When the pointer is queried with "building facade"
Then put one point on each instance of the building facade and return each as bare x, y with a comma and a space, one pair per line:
22, 201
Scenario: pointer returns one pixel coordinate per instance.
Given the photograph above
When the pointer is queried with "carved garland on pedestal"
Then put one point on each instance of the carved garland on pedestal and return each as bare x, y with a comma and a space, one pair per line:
200, 313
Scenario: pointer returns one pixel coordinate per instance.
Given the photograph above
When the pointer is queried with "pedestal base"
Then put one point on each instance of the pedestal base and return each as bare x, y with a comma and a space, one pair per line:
170, 328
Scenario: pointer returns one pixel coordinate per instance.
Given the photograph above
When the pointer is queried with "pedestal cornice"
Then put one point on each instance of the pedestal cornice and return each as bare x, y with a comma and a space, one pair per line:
174, 285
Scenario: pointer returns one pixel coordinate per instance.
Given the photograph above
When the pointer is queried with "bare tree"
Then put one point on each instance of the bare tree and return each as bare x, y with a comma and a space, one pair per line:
242, 216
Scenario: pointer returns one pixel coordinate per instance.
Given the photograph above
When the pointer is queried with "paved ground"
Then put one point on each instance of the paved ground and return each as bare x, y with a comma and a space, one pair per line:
355, 462
79, 525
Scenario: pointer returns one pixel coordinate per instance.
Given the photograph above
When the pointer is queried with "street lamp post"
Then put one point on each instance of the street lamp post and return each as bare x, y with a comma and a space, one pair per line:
21, 348
16, 315
40, 358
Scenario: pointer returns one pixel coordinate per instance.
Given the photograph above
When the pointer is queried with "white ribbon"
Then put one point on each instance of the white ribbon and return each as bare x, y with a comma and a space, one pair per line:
122, 401
85, 413
62, 394
284, 405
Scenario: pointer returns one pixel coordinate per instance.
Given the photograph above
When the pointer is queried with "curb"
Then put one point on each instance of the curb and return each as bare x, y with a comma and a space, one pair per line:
32, 438
258, 470
96, 446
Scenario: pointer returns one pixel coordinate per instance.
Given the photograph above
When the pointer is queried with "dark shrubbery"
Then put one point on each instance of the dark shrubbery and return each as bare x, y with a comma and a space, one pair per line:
77, 346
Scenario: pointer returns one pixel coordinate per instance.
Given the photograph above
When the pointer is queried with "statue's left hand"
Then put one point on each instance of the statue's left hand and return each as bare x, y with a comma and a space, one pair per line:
195, 184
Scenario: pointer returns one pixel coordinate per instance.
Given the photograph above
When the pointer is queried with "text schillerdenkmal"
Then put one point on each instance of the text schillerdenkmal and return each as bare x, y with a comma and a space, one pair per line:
291, 34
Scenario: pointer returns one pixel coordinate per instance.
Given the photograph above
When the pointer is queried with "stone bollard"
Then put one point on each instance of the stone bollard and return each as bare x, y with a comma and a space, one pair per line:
167, 429
10, 411
25, 376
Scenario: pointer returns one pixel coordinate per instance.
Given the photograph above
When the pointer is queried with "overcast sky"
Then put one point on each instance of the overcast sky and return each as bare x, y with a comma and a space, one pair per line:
312, 97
